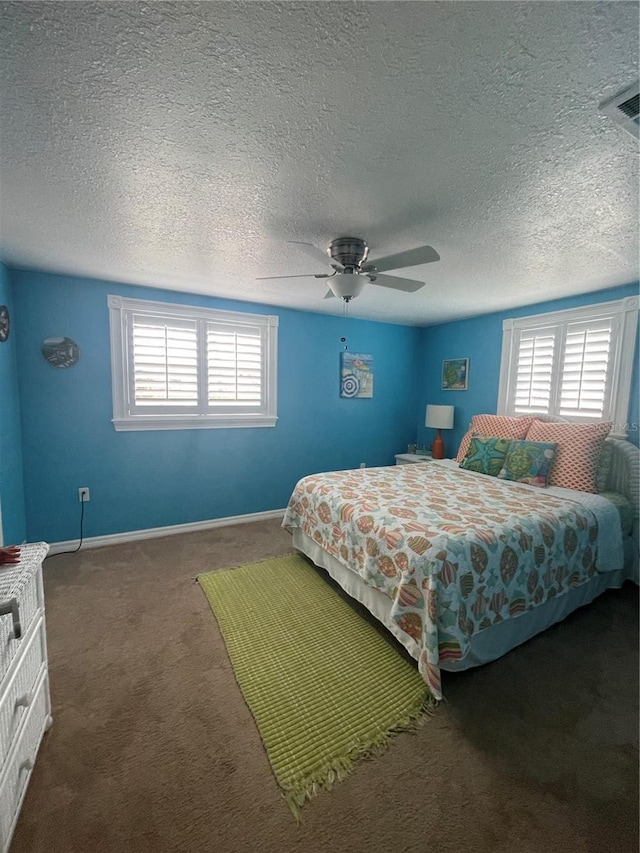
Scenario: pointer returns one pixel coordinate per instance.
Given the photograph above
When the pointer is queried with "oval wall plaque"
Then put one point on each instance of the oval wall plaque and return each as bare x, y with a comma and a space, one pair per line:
5, 323
60, 352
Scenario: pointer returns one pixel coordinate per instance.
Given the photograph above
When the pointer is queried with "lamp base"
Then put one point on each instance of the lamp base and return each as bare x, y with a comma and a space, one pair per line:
437, 448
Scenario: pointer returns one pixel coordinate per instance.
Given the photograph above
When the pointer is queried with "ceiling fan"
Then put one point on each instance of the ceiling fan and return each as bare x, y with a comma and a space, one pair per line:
347, 257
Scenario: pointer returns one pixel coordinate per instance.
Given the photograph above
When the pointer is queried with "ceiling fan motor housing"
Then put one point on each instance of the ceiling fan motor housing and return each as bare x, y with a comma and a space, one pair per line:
349, 251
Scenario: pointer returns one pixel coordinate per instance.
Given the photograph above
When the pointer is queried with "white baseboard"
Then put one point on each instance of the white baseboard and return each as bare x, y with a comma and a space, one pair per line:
153, 532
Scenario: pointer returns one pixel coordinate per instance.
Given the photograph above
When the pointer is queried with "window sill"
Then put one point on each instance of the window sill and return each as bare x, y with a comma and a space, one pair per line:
151, 422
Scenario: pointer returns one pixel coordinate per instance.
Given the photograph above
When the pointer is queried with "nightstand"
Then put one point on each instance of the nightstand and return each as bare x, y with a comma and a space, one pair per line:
411, 458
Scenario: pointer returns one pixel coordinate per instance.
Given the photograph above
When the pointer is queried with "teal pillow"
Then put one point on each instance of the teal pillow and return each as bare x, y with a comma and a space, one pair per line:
486, 454
529, 462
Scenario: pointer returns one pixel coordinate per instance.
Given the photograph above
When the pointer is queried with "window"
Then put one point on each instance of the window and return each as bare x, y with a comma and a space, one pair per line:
575, 364
178, 367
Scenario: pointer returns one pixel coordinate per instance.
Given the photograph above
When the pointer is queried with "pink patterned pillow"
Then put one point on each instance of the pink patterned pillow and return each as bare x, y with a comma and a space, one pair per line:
577, 454
496, 426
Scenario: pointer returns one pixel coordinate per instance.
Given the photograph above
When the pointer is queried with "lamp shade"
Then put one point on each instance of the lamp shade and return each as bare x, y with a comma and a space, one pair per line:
439, 417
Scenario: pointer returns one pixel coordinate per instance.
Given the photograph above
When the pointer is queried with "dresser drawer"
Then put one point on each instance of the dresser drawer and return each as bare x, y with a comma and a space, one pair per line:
17, 772
22, 585
18, 690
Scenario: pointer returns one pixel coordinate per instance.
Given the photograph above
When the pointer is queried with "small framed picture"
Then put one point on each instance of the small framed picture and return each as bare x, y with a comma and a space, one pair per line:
356, 374
455, 374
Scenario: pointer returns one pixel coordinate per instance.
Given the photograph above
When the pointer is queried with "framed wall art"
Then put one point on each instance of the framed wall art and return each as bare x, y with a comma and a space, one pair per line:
356, 374
455, 374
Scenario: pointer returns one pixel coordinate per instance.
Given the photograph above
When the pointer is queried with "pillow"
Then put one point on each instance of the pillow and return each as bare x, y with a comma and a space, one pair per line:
501, 426
486, 454
529, 462
577, 454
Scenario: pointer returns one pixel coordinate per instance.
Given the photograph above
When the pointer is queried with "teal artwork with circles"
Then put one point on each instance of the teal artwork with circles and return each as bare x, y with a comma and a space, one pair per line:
356, 375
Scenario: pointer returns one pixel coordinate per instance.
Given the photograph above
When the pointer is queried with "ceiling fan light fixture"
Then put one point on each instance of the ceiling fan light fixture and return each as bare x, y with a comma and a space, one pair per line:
347, 285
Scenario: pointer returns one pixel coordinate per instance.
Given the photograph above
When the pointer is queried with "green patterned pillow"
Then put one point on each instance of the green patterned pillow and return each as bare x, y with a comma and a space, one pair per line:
529, 462
486, 454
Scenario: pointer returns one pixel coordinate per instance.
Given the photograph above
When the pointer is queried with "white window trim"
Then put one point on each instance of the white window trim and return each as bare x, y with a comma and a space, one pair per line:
120, 306
623, 352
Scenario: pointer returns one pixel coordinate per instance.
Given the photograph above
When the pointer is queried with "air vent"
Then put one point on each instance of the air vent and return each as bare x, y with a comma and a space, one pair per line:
624, 108
630, 107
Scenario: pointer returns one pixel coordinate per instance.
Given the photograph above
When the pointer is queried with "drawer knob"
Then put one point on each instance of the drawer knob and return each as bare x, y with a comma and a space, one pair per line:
24, 768
11, 608
23, 701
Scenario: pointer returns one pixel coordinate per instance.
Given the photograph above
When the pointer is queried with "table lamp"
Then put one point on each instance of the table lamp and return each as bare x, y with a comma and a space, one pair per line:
439, 417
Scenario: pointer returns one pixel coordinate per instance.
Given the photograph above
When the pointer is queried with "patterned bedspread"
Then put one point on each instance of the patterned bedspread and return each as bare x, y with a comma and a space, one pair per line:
455, 551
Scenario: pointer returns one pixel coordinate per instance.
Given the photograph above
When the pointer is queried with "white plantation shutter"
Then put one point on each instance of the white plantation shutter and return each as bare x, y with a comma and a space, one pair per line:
164, 363
234, 366
181, 367
575, 364
585, 369
534, 371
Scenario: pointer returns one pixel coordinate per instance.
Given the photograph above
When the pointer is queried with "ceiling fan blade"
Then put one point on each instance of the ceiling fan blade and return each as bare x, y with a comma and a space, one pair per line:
411, 258
409, 285
303, 275
329, 294
315, 253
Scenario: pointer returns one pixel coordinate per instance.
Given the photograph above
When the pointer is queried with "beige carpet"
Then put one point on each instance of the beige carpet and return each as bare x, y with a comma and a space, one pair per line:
153, 748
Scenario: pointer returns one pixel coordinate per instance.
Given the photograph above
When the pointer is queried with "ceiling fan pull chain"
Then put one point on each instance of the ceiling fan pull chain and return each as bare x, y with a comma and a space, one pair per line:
343, 339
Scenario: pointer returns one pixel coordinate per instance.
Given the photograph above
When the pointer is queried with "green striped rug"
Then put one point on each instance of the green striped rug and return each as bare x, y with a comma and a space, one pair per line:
325, 688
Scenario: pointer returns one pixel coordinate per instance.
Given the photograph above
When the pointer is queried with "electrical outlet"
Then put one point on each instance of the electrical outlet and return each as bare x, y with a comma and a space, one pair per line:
363, 464
83, 494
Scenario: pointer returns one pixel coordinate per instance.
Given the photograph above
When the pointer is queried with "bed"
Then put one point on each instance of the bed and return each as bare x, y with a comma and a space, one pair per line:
461, 567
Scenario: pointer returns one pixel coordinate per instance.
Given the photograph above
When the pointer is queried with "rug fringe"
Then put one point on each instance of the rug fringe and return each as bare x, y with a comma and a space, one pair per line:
339, 769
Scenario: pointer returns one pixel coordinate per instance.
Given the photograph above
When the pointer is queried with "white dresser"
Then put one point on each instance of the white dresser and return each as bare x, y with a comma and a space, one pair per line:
25, 704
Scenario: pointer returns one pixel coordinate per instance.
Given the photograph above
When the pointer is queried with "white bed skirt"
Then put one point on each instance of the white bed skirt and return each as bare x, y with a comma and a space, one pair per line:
491, 643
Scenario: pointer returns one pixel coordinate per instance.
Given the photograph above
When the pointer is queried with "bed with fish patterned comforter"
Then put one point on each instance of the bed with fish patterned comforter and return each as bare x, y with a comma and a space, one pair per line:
455, 551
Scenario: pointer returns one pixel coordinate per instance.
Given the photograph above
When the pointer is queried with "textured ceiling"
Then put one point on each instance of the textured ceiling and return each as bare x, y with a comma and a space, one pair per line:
182, 145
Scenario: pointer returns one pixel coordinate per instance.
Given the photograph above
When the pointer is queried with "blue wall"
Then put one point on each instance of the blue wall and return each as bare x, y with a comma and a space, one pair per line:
11, 484
150, 479
480, 340
141, 480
